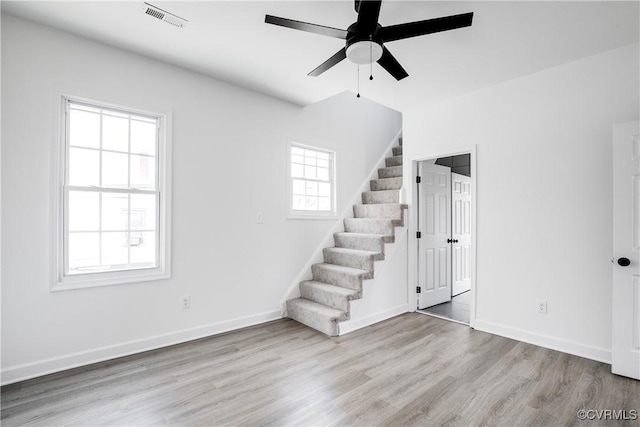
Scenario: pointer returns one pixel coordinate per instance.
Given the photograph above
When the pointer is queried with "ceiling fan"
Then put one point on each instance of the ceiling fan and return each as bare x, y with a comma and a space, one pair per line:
365, 38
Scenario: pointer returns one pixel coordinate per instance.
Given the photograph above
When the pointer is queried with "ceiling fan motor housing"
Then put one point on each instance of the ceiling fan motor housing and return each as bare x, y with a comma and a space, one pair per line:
363, 48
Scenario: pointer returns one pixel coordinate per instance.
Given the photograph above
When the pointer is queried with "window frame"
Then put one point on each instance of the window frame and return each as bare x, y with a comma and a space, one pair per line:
303, 214
63, 281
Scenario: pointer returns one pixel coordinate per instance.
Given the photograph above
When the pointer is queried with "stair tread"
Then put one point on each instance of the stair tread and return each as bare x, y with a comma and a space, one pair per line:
342, 269
401, 205
347, 292
393, 178
321, 309
352, 251
369, 220
354, 234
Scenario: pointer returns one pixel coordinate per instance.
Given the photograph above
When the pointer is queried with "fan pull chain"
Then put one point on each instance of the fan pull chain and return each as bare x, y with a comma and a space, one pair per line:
358, 95
370, 60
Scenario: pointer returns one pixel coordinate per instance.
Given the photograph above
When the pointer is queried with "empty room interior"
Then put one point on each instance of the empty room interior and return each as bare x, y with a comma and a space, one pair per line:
320, 213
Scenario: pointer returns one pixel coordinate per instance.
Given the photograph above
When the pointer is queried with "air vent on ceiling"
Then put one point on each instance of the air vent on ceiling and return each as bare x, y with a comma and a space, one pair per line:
164, 16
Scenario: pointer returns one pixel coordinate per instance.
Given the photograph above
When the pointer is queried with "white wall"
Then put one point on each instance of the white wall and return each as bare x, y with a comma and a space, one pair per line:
229, 162
544, 177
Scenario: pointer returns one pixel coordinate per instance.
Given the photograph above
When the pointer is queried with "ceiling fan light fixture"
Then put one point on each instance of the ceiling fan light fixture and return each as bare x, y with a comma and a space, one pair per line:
364, 52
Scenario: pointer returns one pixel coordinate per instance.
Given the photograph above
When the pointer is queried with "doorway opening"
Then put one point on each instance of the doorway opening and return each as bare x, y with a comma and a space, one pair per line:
444, 220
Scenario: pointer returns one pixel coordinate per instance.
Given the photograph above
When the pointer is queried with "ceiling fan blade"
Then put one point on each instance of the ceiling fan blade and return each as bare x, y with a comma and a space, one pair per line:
305, 26
429, 26
389, 63
339, 56
368, 12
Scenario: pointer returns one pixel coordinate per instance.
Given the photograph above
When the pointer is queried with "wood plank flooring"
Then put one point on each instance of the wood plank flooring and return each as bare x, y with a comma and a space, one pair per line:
409, 370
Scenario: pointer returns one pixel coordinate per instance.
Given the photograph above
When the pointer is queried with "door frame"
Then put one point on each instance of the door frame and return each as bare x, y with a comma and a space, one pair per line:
413, 224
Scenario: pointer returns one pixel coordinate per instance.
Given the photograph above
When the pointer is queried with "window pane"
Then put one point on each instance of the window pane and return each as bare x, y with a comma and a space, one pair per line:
311, 189
311, 203
298, 187
323, 174
296, 171
114, 170
323, 163
297, 159
83, 211
84, 129
323, 156
324, 204
143, 212
310, 172
143, 249
115, 211
324, 189
83, 252
296, 150
84, 167
114, 250
310, 153
310, 161
298, 203
143, 172
143, 137
115, 133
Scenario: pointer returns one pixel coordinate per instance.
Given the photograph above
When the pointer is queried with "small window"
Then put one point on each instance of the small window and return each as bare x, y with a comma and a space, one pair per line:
311, 181
113, 197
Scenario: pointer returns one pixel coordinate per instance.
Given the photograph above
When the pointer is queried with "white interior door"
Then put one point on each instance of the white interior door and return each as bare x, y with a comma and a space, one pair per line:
625, 348
461, 233
434, 223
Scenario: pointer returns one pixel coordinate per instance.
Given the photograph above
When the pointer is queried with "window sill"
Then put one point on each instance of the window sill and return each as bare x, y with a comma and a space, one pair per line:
332, 216
80, 282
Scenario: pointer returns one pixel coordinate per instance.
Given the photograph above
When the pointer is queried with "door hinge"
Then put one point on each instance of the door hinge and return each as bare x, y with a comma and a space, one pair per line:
418, 290
418, 180
418, 235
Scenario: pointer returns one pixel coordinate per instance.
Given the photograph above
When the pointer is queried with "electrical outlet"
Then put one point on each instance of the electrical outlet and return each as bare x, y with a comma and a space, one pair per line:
186, 302
541, 306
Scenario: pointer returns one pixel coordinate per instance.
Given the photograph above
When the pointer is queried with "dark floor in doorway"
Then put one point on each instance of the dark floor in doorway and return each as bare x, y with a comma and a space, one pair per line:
457, 309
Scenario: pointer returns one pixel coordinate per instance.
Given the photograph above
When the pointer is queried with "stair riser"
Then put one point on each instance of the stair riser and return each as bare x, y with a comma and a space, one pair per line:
393, 161
364, 262
381, 226
365, 243
374, 197
386, 184
391, 172
312, 320
314, 293
321, 274
397, 151
391, 211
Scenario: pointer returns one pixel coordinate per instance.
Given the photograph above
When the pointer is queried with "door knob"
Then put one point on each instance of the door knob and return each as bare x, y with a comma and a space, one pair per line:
623, 262
455, 240
449, 241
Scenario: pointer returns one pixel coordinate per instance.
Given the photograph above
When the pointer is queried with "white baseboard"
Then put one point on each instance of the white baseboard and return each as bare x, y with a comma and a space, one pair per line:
589, 352
354, 325
26, 371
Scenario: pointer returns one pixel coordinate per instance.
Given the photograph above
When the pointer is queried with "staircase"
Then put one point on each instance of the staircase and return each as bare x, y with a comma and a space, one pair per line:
324, 300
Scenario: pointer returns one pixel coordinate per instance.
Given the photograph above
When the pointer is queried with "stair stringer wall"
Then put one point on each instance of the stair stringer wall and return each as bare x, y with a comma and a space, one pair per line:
317, 257
386, 295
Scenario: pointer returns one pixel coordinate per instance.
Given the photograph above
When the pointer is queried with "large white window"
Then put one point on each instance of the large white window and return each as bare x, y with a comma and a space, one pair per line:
311, 181
113, 197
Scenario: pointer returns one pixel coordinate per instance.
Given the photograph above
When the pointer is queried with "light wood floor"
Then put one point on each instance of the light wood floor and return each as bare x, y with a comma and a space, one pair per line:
409, 370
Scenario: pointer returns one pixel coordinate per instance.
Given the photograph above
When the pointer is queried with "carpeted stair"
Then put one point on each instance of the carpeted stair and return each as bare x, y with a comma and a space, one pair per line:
324, 300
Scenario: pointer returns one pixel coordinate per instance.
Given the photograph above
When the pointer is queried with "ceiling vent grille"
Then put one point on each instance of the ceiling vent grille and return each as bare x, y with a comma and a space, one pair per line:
164, 16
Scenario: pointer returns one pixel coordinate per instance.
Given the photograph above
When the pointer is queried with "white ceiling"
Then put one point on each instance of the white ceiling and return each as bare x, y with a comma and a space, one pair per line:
230, 41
